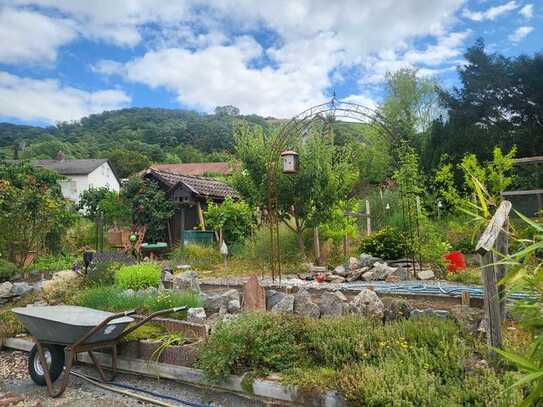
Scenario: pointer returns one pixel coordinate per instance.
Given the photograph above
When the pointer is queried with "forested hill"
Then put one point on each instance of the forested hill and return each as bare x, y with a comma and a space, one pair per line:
131, 138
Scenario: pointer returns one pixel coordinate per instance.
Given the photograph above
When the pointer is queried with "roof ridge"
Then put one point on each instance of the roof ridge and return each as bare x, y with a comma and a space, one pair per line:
187, 176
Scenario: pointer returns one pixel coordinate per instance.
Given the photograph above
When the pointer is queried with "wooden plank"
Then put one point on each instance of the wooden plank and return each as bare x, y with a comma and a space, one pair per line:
526, 192
493, 229
25, 344
529, 160
491, 301
368, 218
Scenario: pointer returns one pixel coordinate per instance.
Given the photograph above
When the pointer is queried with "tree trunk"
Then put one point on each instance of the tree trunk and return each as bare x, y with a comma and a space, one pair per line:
299, 236
317, 246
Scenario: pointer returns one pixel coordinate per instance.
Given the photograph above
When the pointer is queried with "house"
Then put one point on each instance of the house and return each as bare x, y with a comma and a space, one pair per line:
80, 175
190, 196
196, 169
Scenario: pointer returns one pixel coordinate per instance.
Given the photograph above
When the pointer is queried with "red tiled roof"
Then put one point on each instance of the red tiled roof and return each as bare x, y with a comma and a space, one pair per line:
221, 168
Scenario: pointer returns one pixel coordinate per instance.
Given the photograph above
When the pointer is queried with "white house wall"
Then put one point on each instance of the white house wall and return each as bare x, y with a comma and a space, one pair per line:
73, 186
103, 176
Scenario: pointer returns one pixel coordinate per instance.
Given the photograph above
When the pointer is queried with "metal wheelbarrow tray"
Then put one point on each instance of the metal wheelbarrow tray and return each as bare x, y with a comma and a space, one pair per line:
62, 329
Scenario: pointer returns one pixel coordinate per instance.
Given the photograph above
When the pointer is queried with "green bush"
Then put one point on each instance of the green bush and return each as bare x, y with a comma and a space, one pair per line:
234, 218
387, 243
7, 270
102, 274
53, 263
138, 276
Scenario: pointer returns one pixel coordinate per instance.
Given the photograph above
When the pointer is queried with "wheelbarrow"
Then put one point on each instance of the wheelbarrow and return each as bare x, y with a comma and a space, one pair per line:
58, 330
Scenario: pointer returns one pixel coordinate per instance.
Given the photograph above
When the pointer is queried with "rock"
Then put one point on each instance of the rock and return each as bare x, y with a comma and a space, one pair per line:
469, 318
317, 269
352, 263
273, 297
233, 306
183, 267
213, 303
304, 306
20, 289
197, 315
425, 274
254, 295
187, 281
402, 273
333, 304
439, 313
392, 279
5, 290
128, 293
336, 279
368, 304
381, 271
367, 260
166, 278
396, 309
340, 271
355, 275
368, 276
285, 305
306, 276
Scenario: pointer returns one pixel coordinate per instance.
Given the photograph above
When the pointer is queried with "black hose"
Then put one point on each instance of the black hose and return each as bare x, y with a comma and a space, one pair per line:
152, 393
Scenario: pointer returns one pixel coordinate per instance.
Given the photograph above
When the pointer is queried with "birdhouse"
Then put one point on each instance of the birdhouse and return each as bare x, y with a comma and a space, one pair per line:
290, 161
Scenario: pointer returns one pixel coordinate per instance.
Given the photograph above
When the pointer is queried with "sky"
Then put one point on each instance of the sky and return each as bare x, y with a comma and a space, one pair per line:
61, 60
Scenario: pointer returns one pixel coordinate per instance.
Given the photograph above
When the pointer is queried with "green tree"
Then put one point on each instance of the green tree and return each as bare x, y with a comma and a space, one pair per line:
32, 209
127, 163
149, 207
234, 218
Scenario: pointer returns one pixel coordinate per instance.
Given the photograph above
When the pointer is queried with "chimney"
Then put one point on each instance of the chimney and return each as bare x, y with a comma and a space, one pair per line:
60, 156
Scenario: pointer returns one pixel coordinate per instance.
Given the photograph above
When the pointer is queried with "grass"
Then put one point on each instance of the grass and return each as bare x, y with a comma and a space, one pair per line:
53, 263
471, 276
114, 299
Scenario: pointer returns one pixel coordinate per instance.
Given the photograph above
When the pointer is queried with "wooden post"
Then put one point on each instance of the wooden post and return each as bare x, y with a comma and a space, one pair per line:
182, 227
502, 248
345, 245
466, 298
484, 248
201, 216
317, 245
368, 217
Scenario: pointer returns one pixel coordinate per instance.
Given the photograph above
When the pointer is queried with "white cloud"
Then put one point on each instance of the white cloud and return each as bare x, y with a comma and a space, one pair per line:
47, 100
492, 13
520, 33
27, 36
527, 11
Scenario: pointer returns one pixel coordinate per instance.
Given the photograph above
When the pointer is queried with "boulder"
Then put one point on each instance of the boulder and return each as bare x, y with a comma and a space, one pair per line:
213, 303
469, 318
233, 306
5, 290
197, 315
426, 274
396, 309
355, 275
402, 274
367, 276
285, 305
367, 260
187, 281
254, 295
304, 306
306, 276
333, 304
381, 271
273, 297
367, 303
20, 289
352, 263
166, 278
439, 313
341, 271
336, 279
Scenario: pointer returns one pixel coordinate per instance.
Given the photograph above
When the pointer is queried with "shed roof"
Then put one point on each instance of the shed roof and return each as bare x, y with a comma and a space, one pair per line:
201, 186
222, 168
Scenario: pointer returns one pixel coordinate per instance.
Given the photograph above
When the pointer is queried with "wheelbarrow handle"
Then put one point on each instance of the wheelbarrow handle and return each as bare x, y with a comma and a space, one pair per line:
98, 327
149, 317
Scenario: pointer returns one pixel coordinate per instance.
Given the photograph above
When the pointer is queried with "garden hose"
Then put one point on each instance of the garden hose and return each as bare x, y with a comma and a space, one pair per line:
108, 386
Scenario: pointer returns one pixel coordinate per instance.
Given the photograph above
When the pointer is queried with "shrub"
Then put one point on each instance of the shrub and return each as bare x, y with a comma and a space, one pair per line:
258, 342
102, 274
387, 244
235, 218
7, 270
138, 276
53, 263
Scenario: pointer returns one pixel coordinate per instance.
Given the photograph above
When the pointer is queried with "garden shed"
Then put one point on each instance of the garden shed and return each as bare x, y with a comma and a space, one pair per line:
190, 196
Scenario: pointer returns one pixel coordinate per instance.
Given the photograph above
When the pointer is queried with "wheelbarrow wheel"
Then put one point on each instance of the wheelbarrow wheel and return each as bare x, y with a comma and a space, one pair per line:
54, 355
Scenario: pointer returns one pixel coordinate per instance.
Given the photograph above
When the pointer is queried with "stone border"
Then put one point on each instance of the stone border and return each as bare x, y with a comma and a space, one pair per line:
261, 388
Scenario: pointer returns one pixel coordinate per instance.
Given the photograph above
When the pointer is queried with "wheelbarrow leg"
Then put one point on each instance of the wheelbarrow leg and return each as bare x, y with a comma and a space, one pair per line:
45, 367
99, 366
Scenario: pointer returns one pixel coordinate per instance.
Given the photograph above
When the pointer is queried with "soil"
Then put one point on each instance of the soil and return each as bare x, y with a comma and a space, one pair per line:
17, 389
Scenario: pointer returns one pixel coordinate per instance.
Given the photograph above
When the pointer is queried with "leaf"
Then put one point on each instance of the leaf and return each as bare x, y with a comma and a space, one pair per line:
519, 361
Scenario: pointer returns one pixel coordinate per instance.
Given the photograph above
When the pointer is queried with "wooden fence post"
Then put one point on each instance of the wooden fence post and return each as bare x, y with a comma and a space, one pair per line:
502, 247
368, 217
484, 248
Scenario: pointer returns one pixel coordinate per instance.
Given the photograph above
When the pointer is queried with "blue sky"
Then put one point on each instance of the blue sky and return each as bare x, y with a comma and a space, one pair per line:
61, 60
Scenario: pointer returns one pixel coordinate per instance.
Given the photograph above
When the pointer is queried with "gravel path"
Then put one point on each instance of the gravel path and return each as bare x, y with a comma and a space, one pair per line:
17, 389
